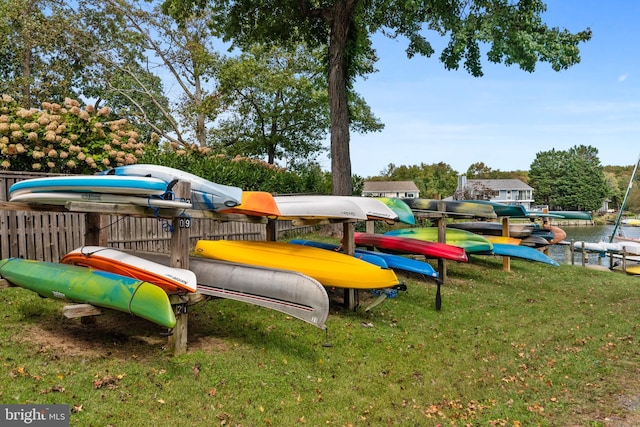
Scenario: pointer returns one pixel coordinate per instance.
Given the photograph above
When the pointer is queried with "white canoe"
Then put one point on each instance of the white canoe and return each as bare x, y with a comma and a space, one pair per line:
205, 194
64, 197
319, 207
289, 292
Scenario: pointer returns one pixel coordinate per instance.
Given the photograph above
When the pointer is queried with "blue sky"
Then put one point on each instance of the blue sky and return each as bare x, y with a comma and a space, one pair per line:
507, 116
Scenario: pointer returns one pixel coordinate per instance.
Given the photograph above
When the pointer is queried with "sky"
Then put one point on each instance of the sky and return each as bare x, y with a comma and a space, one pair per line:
506, 117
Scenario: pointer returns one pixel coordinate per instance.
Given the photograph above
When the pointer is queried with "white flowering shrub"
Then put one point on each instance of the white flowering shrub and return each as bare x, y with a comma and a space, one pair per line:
65, 138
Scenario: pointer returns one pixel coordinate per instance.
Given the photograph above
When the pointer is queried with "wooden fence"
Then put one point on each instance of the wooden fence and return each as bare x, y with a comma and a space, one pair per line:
47, 236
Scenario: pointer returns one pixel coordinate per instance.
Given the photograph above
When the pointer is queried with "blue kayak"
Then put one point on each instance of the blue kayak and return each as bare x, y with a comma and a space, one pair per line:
522, 252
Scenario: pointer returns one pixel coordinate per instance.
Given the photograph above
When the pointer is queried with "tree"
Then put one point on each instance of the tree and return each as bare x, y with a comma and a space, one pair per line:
273, 105
569, 180
513, 33
437, 180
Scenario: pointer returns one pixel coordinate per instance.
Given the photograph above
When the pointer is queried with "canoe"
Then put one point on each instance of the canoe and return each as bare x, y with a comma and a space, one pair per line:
64, 197
139, 185
522, 252
395, 262
503, 209
205, 194
288, 292
172, 280
329, 268
453, 207
408, 245
404, 212
254, 203
318, 207
493, 228
85, 285
470, 242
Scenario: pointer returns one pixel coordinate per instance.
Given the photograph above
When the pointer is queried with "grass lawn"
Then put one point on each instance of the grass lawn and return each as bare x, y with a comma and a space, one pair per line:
535, 346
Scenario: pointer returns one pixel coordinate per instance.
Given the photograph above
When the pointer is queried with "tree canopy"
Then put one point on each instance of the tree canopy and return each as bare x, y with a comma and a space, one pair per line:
510, 32
569, 180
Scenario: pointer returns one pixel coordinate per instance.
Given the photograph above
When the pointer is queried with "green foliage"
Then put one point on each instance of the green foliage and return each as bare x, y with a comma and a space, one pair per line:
569, 180
64, 138
434, 181
247, 173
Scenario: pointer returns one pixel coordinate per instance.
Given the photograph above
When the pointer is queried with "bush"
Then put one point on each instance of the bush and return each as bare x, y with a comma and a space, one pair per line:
65, 138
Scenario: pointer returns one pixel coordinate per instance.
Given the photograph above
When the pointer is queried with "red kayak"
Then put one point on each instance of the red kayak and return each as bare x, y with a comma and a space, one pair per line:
408, 245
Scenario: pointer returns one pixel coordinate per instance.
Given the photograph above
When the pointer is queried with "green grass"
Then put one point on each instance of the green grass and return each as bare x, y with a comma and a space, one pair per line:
534, 346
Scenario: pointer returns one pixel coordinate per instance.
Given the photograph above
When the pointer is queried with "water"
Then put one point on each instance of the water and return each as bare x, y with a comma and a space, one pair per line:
595, 233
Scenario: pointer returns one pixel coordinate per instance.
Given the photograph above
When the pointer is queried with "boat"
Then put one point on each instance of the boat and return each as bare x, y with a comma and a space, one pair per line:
452, 207
205, 194
408, 245
470, 242
577, 215
395, 262
172, 280
490, 228
631, 222
404, 212
288, 292
502, 209
534, 241
504, 240
64, 197
316, 207
522, 252
633, 270
254, 203
331, 269
558, 234
140, 185
614, 234
85, 285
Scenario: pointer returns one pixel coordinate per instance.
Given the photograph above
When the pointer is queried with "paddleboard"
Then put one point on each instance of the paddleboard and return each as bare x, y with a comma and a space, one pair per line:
288, 292
408, 245
64, 197
139, 185
318, 207
172, 280
327, 267
205, 194
85, 285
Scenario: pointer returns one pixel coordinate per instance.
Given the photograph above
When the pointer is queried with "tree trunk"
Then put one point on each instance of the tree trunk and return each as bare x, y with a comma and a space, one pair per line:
342, 16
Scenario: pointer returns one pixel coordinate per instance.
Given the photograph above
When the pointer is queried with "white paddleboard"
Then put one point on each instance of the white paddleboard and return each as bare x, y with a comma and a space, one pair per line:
91, 184
63, 197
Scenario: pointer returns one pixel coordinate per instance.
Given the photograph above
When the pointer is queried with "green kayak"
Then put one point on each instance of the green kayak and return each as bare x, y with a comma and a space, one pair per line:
85, 285
470, 242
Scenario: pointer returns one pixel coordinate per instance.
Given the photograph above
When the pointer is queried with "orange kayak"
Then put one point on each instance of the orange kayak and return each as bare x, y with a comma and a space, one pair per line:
254, 203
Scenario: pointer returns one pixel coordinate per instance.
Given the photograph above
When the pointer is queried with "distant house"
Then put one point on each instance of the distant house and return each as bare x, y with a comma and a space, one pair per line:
509, 191
401, 189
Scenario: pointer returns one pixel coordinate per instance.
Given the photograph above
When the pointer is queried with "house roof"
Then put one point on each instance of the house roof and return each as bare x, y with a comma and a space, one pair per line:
499, 184
384, 186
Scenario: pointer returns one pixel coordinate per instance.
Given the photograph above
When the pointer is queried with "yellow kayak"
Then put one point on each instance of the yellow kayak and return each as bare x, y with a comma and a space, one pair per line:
327, 267
504, 240
634, 270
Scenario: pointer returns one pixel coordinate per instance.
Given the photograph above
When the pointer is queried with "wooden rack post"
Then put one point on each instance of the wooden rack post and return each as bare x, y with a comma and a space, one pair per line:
179, 253
506, 261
